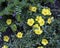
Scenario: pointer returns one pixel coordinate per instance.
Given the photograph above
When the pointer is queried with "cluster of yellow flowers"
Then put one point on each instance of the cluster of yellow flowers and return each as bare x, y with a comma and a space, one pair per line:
32, 22
40, 22
6, 38
36, 27
45, 11
18, 35
39, 19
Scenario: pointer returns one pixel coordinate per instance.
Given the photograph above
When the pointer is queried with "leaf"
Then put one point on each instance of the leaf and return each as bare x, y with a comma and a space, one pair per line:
52, 1
2, 1
13, 27
3, 26
18, 18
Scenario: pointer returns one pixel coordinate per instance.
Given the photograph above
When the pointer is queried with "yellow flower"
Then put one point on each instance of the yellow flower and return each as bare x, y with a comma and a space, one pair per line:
19, 35
41, 22
40, 47
30, 22
46, 11
33, 8
38, 31
50, 20
35, 26
4, 46
38, 18
6, 38
8, 21
44, 41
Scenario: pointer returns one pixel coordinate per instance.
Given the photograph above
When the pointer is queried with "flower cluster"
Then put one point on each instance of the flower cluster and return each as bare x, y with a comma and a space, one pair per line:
28, 24
18, 35
39, 21
36, 25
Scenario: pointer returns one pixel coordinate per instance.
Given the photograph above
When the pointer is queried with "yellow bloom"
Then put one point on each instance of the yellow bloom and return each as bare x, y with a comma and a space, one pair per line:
50, 20
6, 38
4, 46
33, 8
19, 35
40, 47
8, 21
44, 41
38, 18
35, 26
30, 22
41, 22
38, 31
46, 11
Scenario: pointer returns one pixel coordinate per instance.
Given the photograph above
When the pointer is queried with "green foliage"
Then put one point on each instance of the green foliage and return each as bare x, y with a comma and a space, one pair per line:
3, 26
52, 1
20, 9
46, 1
18, 18
14, 27
1, 1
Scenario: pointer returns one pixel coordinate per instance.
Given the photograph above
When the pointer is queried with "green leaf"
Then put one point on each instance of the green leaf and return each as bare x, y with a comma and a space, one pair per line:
13, 27
2, 1
3, 29
3, 26
52, 1
18, 18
